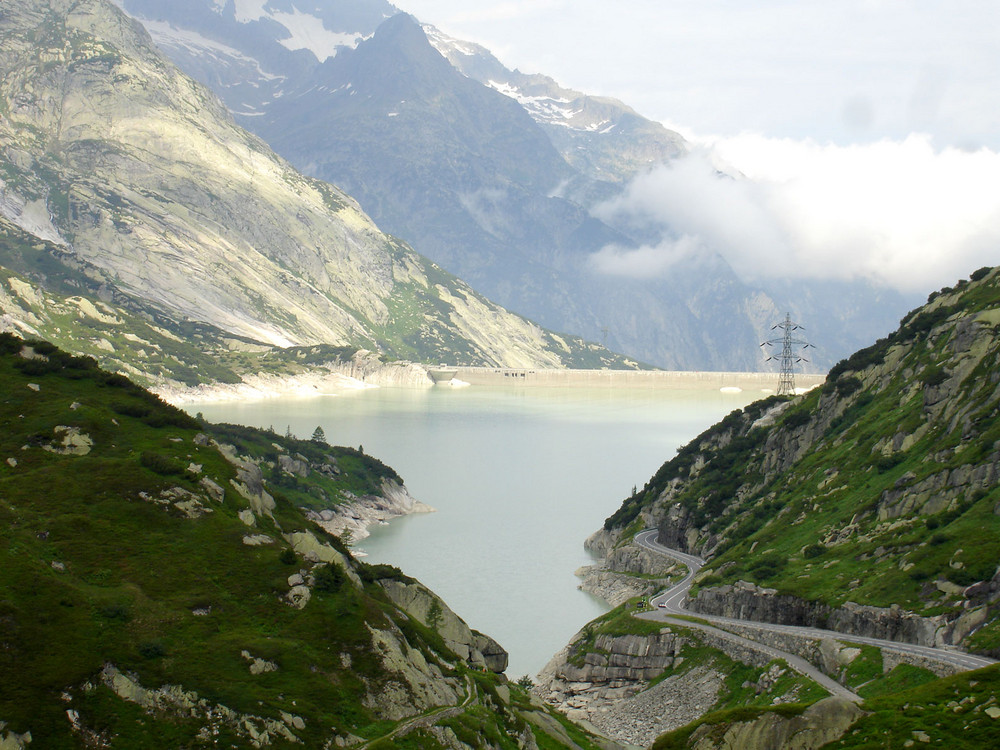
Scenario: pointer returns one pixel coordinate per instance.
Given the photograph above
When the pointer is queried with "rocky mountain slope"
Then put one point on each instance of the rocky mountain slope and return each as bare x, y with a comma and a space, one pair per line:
602, 138
163, 586
135, 180
492, 174
868, 506
868, 503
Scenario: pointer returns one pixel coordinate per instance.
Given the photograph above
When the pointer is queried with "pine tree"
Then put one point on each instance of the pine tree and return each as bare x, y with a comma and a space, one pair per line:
318, 435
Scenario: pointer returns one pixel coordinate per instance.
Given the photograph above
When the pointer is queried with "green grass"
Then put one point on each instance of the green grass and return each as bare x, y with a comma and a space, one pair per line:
899, 678
94, 571
951, 711
812, 529
678, 739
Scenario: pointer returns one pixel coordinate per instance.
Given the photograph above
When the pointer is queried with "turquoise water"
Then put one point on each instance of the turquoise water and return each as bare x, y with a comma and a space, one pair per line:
519, 477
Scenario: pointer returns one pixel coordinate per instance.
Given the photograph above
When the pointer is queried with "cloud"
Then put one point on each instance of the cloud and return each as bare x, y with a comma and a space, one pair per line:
898, 213
646, 261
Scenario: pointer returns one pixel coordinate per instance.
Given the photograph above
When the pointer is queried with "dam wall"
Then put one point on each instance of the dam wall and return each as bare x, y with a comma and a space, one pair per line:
651, 379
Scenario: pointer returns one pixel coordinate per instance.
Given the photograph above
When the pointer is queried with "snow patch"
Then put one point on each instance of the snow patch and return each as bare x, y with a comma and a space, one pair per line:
166, 35
307, 32
250, 10
445, 44
548, 109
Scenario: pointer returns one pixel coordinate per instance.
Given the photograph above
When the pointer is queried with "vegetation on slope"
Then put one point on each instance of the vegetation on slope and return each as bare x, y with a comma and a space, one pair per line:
955, 712
153, 592
879, 488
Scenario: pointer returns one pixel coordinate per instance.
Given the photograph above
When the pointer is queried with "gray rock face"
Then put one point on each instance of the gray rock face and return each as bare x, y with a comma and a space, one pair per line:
173, 204
421, 603
746, 601
821, 723
352, 517
613, 579
624, 658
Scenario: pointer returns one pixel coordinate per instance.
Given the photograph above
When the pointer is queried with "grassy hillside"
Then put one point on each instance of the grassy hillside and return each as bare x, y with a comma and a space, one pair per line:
956, 712
879, 488
161, 587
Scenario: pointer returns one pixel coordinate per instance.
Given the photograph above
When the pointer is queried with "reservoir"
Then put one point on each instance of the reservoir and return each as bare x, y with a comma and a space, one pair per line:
520, 477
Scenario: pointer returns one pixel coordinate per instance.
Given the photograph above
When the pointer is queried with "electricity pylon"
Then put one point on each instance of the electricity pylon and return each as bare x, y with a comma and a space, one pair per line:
788, 357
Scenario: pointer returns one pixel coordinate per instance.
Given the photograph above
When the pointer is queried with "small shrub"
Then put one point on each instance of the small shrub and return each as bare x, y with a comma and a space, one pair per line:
933, 376
813, 551
116, 612
130, 409
287, 556
160, 464
980, 273
796, 419
887, 463
37, 367
151, 650
767, 566
381, 572
330, 578
847, 386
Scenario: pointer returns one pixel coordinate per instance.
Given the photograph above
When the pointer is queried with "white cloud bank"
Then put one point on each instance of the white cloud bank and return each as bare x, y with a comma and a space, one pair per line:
899, 213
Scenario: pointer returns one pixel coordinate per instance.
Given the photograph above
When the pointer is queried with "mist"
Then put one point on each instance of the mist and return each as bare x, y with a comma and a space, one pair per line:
900, 214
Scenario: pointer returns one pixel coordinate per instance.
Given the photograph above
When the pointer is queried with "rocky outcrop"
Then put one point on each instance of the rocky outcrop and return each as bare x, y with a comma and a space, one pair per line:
353, 517
472, 647
669, 704
627, 571
257, 731
746, 601
586, 680
13, 740
367, 367
416, 684
614, 588
177, 209
615, 660
604, 680
70, 441
821, 723
364, 369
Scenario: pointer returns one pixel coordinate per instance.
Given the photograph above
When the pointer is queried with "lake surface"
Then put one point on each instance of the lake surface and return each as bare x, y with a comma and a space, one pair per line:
519, 477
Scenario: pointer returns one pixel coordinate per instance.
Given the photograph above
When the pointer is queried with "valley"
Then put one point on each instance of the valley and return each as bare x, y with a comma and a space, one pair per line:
374, 256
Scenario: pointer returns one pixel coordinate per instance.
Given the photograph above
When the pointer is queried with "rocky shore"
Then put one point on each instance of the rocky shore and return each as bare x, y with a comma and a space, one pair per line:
364, 370
610, 688
625, 572
353, 517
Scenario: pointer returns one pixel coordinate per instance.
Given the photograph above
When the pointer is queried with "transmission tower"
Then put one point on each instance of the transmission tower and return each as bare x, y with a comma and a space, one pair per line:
788, 357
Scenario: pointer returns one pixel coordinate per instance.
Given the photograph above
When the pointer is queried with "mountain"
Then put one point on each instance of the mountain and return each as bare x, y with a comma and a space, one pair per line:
139, 188
602, 138
868, 506
501, 195
163, 587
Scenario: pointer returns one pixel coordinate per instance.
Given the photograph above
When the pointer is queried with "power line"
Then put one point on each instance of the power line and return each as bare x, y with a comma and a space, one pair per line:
788, 357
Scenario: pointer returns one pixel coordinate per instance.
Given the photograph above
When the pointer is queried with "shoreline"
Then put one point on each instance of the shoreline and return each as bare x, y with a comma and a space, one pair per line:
327, 381
262, 387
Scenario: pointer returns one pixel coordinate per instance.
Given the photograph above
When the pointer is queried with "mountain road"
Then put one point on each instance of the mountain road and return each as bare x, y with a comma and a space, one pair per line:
671, 602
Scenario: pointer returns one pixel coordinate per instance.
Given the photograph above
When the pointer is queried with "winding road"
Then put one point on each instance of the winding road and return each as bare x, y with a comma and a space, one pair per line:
671, 602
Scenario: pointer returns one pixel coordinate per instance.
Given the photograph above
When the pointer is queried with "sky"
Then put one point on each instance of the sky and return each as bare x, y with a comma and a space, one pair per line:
868, 130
